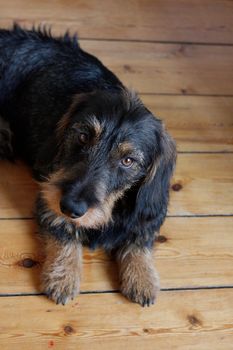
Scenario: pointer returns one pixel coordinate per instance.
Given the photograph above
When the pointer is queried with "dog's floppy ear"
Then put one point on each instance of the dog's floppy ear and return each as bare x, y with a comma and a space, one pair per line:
153, 194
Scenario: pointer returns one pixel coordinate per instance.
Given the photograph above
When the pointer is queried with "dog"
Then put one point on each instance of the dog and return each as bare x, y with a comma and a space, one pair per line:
103, 161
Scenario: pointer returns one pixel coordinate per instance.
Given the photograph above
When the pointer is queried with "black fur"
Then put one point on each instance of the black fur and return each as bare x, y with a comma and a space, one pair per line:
39, 75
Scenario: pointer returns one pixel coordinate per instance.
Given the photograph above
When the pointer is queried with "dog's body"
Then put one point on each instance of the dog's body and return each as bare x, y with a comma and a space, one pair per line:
103, 161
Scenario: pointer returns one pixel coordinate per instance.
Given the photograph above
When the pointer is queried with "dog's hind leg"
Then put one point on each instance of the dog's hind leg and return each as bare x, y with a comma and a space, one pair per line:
6, 148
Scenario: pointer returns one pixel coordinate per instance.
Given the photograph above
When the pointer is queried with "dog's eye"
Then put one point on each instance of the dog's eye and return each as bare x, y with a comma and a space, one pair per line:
83, 138
127, 162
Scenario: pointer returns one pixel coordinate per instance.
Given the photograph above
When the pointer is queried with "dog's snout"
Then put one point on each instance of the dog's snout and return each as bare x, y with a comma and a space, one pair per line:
72, 208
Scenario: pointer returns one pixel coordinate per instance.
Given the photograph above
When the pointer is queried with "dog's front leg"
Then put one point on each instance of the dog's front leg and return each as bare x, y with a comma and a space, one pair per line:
62, 269
138, 277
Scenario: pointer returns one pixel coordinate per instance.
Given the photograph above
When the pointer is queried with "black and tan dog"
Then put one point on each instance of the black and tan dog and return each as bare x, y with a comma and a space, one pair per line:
103, 160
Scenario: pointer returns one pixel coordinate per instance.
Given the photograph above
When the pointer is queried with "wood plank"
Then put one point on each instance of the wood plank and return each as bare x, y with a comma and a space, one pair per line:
197, 123
161, 20
168, 68
181, 320
205, 183
18, 191
191, 252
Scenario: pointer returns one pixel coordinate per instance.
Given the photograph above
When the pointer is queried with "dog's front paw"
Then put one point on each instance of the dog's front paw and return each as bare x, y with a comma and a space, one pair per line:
141, 287
60, 287
138, 277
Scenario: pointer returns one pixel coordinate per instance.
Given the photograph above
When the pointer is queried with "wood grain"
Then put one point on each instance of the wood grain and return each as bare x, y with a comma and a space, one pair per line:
162, 20
197, 123
205, 183
168, 68
200, 320
191, 252
18, 191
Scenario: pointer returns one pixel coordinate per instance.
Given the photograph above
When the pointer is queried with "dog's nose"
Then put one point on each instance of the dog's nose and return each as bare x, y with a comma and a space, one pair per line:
73, 209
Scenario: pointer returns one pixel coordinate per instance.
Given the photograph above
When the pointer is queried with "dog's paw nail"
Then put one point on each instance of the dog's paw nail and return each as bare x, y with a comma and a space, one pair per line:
60, 293
144, 297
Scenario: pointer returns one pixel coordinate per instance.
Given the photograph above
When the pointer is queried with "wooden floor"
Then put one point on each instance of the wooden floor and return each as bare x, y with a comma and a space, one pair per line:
178, 54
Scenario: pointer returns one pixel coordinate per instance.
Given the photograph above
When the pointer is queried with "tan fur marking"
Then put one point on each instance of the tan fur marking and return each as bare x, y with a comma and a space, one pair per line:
138, 277
152, 171
125, 147
169, 154
61, 270
169, 146
51, 193
100, 216
95, 124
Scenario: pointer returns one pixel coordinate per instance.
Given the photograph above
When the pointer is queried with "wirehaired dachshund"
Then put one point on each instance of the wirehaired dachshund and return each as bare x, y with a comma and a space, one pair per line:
103, 161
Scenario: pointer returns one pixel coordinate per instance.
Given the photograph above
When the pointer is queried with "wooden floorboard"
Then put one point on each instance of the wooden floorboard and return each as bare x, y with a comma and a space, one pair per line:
207, 21
190, 253
197, 123
18, 191
180, 320
205, 183
204, 187
168, 68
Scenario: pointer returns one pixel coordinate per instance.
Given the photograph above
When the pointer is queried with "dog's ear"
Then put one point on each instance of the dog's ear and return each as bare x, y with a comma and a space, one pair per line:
153, 193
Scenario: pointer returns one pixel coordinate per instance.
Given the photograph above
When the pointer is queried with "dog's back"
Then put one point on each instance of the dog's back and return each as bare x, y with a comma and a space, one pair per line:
39, 74
24, 53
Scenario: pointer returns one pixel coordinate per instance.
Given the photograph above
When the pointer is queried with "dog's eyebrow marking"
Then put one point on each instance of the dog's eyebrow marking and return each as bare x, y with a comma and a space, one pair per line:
127, 148
95, 124
92, 125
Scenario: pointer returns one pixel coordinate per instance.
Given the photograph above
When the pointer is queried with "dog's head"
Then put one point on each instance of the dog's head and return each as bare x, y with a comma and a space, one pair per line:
108, 145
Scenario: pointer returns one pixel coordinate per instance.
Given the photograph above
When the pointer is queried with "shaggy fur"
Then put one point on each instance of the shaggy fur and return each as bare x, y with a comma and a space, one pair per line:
103, 160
